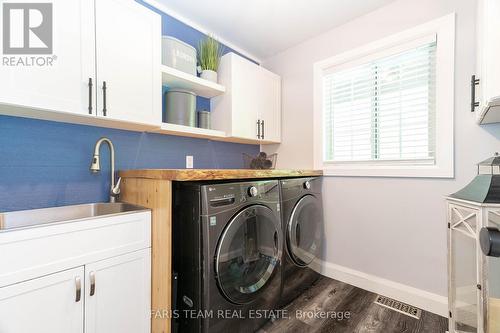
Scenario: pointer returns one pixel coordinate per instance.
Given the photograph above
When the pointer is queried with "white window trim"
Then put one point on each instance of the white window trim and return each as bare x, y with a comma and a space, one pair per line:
444, 30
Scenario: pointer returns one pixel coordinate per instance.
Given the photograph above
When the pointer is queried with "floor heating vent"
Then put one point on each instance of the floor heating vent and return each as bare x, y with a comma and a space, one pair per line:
398, 306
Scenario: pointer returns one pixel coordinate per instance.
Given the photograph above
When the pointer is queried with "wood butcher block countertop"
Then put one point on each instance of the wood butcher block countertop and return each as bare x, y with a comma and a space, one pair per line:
215, 174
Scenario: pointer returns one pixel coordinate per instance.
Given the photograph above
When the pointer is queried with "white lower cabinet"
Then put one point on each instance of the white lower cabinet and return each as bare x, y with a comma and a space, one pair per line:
117, 297
49, 304
89, 276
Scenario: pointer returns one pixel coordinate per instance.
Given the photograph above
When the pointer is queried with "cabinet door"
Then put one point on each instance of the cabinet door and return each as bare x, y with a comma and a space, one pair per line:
118, 294
50, 304
246, 99
488, 53
128, 49
270, 106
253, 95
36, 77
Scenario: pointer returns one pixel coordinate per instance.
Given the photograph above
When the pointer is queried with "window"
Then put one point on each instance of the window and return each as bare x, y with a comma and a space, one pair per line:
381, 108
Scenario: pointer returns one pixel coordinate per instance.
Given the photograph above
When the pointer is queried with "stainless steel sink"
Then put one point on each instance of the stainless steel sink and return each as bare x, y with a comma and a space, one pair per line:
63, 214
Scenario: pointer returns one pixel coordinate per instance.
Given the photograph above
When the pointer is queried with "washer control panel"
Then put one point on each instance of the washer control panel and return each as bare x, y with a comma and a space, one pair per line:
221, 196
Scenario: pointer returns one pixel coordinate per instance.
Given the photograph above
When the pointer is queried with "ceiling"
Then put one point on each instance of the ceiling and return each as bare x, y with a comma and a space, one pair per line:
264, 28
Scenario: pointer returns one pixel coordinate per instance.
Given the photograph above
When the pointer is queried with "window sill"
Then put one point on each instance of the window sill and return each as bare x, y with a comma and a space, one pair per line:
400, 171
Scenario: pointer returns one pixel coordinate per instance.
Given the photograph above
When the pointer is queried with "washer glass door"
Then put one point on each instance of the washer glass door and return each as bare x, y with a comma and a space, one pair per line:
304, 230
248, 253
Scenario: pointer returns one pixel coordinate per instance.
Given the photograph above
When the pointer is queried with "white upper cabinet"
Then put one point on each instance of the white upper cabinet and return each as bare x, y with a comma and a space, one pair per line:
49, 71
91, 61
49, 304
488, 63
250, 109
128, 48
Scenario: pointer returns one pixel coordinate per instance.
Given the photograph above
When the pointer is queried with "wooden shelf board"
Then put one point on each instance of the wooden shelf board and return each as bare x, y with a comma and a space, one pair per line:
202, 133
174, 78
194, 132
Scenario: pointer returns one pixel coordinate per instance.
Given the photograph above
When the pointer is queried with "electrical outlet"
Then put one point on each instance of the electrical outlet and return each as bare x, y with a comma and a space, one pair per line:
189, 162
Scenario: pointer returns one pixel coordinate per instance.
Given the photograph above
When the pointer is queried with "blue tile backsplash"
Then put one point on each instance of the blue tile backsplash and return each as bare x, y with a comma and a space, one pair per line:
46, 163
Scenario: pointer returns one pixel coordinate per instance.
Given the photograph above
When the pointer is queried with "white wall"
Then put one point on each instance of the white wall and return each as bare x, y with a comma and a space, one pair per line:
387, 229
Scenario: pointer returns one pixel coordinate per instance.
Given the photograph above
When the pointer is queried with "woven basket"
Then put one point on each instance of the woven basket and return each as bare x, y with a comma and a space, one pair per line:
260, 161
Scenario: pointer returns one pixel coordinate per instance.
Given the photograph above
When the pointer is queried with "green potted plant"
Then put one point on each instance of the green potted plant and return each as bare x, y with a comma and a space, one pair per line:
209, 53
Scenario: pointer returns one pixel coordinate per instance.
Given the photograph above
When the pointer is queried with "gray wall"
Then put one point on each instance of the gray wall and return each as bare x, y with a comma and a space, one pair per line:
391, 228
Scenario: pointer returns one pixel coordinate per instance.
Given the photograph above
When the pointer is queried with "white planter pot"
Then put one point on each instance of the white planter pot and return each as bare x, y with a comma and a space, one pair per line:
209, 75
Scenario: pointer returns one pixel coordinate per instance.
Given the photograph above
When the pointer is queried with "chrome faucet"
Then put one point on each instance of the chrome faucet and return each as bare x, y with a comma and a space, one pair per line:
95, 167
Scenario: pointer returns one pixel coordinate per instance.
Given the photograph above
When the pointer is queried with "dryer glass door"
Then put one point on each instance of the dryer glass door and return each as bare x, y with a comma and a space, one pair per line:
304, 230
248, 253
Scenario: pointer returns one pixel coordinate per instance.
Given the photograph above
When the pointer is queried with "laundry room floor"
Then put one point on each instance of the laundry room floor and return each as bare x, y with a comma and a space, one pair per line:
339, 307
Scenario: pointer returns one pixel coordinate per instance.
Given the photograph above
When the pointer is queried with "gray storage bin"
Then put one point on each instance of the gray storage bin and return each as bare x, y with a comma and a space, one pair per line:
204, 119
178, 55
181, 107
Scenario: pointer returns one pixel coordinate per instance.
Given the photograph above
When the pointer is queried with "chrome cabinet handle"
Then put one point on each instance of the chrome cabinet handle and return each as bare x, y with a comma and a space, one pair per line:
92, 283
104, 88
90, 95
258, 129
78, 284
473, 83
263, 130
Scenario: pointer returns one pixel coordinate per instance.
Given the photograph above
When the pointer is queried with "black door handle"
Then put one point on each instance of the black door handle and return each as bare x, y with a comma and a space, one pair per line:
90, 95
104, 88
263, 131
258, 129
473, 83
276, 242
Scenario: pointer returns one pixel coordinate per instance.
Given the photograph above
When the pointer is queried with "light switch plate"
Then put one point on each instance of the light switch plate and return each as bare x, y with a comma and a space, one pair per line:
189, 162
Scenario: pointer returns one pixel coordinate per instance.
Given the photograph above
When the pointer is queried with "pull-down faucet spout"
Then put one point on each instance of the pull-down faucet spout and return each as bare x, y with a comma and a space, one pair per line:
95, 167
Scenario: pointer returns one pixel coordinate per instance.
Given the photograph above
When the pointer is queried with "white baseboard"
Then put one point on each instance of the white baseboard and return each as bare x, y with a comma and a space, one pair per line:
420, 298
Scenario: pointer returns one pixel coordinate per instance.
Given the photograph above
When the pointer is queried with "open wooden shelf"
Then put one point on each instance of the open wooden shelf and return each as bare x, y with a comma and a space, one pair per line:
193, 132
174, 78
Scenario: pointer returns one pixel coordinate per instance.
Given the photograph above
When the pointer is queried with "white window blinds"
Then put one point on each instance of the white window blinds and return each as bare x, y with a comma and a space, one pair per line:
382, 109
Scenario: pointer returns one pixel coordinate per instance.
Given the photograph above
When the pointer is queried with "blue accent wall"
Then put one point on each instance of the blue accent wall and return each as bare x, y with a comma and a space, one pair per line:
44, 163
